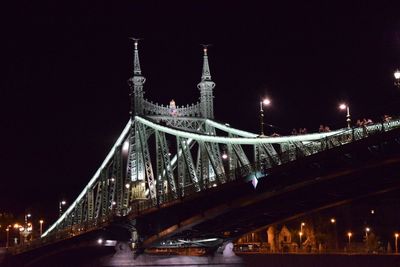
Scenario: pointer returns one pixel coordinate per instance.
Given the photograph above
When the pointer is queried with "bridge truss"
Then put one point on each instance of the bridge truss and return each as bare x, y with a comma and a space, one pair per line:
166, 153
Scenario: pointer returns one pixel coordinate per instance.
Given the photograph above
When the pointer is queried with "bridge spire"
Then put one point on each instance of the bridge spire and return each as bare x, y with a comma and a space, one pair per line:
206, 86
136, 62
136, 83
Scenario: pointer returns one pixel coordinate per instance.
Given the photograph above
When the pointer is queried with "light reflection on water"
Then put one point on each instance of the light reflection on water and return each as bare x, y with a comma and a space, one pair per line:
153, 260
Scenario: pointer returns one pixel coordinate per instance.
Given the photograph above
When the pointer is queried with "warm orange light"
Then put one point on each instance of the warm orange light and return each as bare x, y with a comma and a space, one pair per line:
349, 234
333, 220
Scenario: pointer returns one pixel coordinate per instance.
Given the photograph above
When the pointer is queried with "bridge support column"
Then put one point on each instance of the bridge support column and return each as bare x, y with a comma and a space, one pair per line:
228, 250
123, 253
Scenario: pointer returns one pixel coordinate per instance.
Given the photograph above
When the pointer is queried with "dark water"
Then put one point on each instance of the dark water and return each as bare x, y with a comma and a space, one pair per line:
98, 258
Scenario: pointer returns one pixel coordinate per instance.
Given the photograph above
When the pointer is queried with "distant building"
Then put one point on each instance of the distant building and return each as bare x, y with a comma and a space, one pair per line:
282, 240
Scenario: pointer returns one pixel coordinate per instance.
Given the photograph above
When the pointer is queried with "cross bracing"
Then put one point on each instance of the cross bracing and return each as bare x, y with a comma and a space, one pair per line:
111, 194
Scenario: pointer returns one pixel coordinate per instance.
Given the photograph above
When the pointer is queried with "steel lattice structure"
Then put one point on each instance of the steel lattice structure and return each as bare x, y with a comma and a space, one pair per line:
168, 152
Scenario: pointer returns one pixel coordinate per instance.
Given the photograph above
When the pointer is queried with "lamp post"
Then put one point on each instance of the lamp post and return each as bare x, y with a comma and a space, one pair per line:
300, 235
367, 229
396, 236
8, 236
60, 204
349, 234
263, 102
41, 227
396, 75
333, 222
346, 107
301, 226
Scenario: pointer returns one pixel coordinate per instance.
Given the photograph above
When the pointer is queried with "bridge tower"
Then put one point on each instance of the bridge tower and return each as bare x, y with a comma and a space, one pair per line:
206, 86
136, 83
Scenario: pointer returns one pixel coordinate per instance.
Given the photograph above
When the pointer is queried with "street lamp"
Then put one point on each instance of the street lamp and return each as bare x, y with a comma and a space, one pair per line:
333, 222
397, 78
263, 102
349, 234
26, 217
396, 236
346, 107
367, 229
60, 204
8, 235
41, 227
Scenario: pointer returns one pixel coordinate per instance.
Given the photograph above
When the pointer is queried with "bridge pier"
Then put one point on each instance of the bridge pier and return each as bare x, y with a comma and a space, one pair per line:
123, 253
128, 258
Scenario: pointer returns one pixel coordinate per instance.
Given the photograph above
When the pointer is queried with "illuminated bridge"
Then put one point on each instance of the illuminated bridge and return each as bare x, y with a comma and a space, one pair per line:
178, 178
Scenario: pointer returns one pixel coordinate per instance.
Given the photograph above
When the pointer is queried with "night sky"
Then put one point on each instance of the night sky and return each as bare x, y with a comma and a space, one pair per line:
64, 95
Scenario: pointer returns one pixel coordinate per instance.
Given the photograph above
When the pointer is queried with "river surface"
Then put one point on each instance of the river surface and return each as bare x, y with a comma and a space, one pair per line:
96, 259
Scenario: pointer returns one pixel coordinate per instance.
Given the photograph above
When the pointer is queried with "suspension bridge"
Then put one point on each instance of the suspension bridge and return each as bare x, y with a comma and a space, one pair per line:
178, 177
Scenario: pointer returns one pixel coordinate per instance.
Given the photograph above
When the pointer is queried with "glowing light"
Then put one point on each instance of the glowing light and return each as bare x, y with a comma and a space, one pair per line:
349, 234
63, 202
114, 203
94, 178
99, 241
225, 127
333, 220
125, 146
224, 156
303, 223
112, 179
197, 240
127, 185
254, 182
236, 140
397, 74
372, 211
367, 229
266, 101
342, 106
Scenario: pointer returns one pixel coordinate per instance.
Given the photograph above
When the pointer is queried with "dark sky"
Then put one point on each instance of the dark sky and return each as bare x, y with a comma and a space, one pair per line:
64, 96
